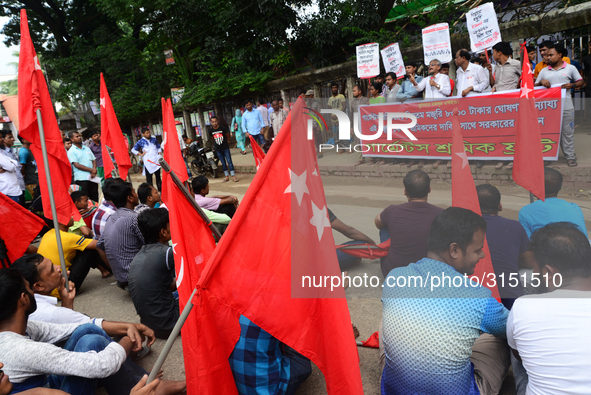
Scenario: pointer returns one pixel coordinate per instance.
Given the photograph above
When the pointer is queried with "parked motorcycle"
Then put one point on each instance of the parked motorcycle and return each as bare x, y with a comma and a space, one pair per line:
204, 160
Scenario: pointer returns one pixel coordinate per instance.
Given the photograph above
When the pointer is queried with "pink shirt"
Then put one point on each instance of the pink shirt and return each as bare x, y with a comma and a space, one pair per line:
207, 202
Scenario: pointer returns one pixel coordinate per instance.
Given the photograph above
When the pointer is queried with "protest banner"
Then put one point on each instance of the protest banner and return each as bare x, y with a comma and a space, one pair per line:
177, 94
483, 27
436, 43
368, 60
488, 122
392, 59
168, 57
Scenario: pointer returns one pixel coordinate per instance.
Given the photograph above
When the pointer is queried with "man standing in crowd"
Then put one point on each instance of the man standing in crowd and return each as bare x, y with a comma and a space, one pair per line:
11, 153
150, 152
489, 68
83, 166
121, 240
470, 77
29, 167
407, 225
253, 123
8, 175
531, 57
262, 108
436, 85
445, 70
407, 89
553, 209
95, 147
546, 331
447, 339
392, 88
560, 72
221, 136
542, 65
278, 117
507, 75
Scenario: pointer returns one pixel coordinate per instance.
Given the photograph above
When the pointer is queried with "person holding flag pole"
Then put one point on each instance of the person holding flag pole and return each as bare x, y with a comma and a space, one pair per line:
38, 125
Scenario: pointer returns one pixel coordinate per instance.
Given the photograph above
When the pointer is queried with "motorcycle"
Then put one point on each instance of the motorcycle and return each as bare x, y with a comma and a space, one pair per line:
204, 161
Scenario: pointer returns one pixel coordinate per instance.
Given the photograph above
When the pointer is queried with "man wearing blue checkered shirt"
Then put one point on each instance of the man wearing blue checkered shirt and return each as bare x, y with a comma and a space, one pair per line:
442, 335
262, 365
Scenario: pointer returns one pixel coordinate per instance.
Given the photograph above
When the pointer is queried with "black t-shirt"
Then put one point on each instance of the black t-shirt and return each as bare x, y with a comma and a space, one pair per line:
151, 273
220, 138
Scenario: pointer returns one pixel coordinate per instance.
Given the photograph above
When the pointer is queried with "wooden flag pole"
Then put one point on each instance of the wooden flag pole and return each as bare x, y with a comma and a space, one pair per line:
56, 224
190, 198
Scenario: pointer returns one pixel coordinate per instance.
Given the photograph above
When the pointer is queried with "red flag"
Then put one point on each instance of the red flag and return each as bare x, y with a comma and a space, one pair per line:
171, 148
464, 195
112, 137
257, 152
33, 95
29, 226
193, 244
528, 162
279, 235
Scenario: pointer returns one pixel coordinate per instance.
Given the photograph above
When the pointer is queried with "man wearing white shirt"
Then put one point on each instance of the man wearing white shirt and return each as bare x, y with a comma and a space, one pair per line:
470, 77
548, 331
8, 178
437, 85
265, 114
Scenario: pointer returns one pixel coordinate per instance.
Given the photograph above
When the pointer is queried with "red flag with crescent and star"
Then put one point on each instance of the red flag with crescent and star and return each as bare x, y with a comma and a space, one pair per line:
280, 235
33, 95
528, 160
464, 195
112, 137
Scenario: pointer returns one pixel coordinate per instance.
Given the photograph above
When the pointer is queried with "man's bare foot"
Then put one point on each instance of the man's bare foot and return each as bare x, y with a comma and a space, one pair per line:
168, 387
226, 179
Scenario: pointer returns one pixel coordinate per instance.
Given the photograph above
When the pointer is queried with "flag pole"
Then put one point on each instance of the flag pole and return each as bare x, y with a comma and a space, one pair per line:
58, 236
171, 339
190, 198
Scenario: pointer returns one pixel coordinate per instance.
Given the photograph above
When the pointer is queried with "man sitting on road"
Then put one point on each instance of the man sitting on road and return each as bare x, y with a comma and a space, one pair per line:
105, 210
356, 236
89, 356
407, 225
538, 214
507, 243
220, 204
152, 275
443, 338
121, 239
148, 196
547, 331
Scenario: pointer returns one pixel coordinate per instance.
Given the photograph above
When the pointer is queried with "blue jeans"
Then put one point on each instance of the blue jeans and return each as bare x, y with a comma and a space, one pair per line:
299, 369
16, 198
225, 156
520, 374
260, 139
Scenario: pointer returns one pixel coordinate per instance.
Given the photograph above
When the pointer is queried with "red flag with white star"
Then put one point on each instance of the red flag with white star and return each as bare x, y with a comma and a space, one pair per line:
193, 244
33, 95
171, 148
279, 235
257, 152
528, 161
464, 195
112, 137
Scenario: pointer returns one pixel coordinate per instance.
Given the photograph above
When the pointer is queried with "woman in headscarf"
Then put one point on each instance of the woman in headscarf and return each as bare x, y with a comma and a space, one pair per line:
236, 127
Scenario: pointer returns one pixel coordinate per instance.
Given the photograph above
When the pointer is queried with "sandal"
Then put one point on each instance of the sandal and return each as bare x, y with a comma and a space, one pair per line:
572, 163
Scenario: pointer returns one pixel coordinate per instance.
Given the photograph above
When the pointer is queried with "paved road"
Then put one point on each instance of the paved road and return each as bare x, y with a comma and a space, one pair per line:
356, 201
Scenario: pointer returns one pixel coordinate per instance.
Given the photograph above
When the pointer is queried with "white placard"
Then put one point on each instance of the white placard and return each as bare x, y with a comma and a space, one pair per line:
392, 59
483, 27
436, 43
368, 60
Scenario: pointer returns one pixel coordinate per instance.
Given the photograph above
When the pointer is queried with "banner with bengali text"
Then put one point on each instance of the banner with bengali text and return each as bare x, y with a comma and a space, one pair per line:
488, 123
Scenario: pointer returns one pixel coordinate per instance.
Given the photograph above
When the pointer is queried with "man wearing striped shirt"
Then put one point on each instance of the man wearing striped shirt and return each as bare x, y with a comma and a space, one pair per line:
121, 240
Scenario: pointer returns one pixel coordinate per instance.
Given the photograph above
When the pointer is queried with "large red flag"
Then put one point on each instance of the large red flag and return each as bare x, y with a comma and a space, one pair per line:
464, 195
193, 244
33, 95
528, 162
279, 235
171, 148
257, 152
112, 137
29, 226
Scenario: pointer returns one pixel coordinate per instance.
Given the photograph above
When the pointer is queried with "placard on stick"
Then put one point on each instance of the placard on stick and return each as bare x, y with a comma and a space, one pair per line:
392, 58
368, 60
436, 43
483, 27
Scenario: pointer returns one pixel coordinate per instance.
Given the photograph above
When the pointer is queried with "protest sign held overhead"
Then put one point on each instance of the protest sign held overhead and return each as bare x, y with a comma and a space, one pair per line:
436, 43
368, 60
392, 59
483, 27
